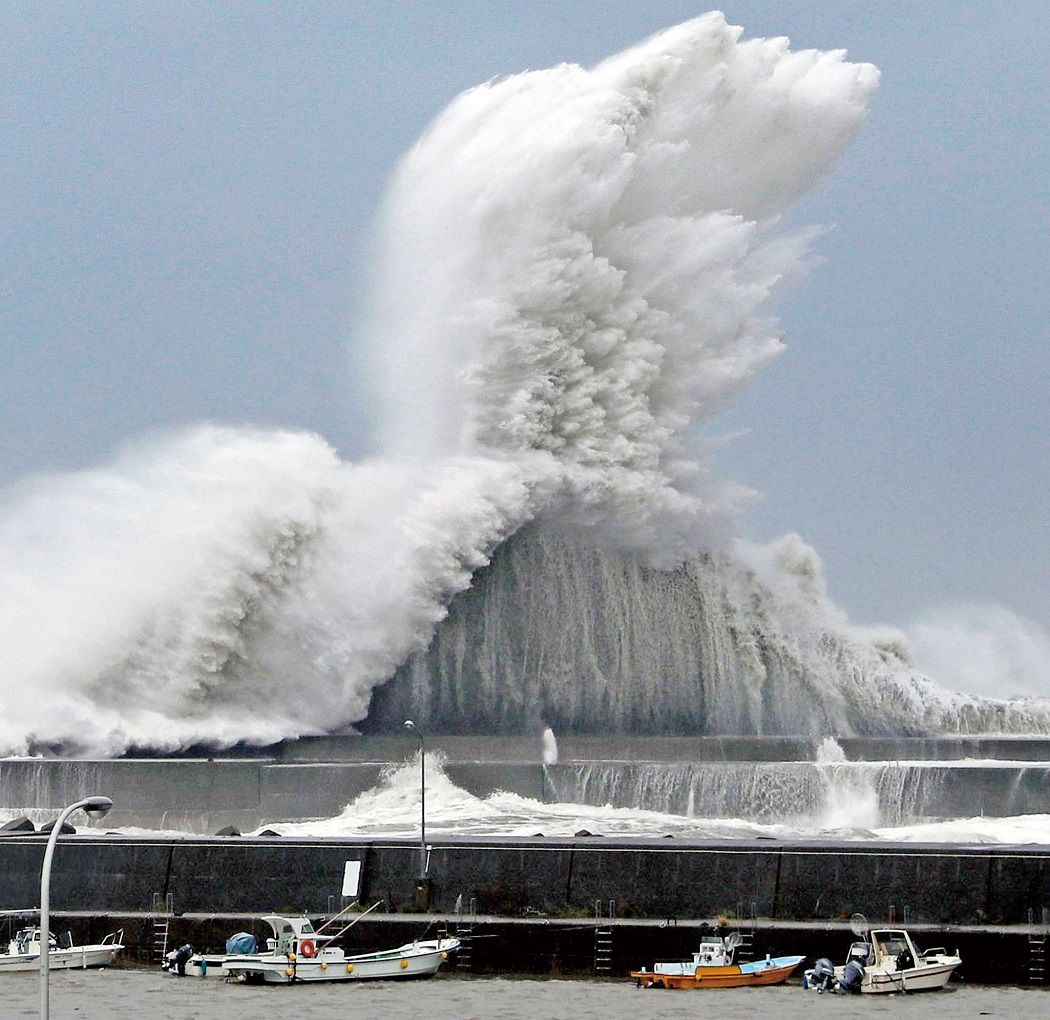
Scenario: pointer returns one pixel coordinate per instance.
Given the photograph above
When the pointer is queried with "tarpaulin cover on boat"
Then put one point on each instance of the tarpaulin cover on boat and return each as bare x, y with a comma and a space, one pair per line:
242, 942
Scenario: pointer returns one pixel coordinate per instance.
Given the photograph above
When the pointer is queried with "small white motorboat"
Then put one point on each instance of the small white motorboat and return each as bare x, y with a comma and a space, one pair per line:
297, 952
23, 952
886, 961
185, 962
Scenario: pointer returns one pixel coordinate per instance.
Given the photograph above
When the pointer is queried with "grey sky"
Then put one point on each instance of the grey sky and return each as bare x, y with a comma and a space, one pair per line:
184, 217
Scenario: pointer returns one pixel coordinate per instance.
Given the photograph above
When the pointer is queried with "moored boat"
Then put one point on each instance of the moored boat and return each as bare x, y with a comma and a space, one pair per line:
712, 966
23, 952
297, 952
885, 961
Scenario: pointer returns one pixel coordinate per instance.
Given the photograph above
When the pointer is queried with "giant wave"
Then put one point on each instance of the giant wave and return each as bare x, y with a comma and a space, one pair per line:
575, 271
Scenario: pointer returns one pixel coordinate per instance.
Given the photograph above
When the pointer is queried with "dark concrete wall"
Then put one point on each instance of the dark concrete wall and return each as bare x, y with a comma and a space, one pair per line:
656, 879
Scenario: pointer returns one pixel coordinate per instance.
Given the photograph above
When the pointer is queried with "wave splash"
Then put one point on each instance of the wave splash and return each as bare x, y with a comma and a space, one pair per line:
657, 800
576, 270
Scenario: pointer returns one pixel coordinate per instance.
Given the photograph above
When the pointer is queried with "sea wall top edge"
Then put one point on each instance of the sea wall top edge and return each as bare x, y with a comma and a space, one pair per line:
619, 747
596, 843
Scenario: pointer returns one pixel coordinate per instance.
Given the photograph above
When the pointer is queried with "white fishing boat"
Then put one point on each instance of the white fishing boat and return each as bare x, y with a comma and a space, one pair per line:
23, 952
297, 952
885, 961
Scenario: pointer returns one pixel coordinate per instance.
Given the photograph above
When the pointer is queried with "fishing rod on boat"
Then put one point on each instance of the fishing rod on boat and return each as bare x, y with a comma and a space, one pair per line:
355, 920
334, 917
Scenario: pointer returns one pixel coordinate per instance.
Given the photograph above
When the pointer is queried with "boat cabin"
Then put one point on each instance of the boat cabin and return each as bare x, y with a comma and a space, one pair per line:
713, 952
894, 946
27, 941
288, 932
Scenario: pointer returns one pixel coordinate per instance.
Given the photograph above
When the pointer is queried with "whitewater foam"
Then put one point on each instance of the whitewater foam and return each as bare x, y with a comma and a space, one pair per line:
576, 270
392, 809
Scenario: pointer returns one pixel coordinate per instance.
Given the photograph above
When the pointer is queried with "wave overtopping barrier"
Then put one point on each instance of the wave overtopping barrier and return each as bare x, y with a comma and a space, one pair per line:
575, 271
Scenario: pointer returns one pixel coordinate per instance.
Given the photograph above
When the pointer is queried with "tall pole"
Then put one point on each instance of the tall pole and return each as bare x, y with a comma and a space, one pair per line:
422, 801
96, 806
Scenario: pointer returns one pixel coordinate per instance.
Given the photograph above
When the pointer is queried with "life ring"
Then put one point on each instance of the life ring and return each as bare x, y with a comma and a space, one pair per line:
307, 948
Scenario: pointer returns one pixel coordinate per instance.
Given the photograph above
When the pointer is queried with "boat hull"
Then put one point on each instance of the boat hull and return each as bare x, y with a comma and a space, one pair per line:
80, 958
199, 966
915, 979
763, 972
407, 963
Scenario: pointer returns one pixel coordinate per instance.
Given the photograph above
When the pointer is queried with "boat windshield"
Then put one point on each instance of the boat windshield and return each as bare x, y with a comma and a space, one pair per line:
891, 943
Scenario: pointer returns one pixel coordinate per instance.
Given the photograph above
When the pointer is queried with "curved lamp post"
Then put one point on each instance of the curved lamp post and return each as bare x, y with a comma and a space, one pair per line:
409, 725
96, 807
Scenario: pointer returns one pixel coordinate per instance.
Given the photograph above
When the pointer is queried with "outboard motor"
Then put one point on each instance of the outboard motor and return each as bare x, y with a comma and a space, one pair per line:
178, 958
821, 977
852, 975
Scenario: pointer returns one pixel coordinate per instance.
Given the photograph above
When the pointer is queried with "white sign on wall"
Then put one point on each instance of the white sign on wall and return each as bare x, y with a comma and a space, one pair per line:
351, 879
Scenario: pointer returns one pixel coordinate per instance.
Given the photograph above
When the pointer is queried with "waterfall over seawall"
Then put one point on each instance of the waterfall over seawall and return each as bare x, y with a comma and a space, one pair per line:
867, 794
559, 631
891, 794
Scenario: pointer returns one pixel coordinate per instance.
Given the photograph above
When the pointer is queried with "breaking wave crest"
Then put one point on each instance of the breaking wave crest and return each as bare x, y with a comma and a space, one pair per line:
576, 270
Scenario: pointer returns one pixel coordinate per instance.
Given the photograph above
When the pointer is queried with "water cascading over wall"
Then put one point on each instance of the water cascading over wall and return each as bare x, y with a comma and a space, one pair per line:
559, 631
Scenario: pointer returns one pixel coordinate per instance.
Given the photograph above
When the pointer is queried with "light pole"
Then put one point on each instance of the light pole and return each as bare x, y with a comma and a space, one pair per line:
96, 807
409, 725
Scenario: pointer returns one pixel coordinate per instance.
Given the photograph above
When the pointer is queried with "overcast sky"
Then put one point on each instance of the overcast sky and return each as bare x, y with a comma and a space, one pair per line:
185, 209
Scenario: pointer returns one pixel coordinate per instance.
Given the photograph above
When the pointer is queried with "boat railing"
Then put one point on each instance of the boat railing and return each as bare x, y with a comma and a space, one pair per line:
114, 938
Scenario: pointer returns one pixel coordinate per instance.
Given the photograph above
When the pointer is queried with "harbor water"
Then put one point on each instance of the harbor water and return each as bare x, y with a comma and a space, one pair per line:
131, 994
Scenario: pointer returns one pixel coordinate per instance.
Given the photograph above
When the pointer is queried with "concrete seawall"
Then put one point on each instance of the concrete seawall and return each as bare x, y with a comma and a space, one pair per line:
654, 878
204, 796
193, 795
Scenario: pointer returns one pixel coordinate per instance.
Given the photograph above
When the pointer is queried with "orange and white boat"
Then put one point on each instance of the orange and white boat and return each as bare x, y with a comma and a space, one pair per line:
713, 967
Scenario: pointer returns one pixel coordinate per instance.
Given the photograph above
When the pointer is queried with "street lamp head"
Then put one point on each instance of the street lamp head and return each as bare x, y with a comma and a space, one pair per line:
409, 725
97, 807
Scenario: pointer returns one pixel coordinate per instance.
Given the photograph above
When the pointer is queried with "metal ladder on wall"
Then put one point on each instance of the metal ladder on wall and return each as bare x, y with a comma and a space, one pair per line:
465, 934
603, 937
1036, 950
161, 910
745, 950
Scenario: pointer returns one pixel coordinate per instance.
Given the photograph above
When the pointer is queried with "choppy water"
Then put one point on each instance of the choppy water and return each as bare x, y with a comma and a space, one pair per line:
135, 994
